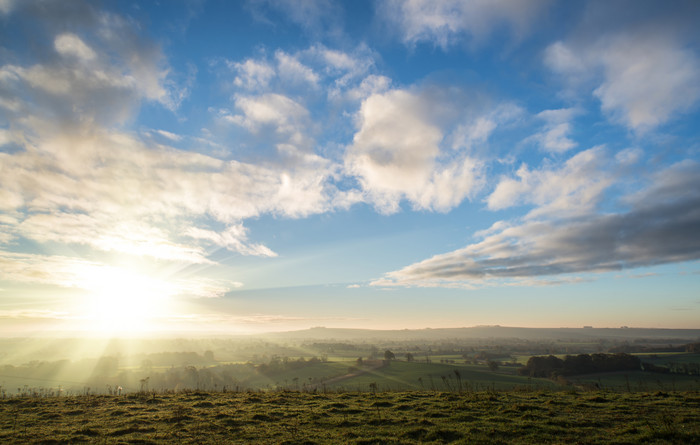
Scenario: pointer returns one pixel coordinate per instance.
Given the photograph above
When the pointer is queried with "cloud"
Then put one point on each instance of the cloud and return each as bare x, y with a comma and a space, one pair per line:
572, 189
116, 193
639, 67
233, 239
396, 154
68, 44
647, 80
445, 23
318, 18
6, 6
252, 74
372, 84
275, 120
279, 111
100, 74
554, 137
475, 132
343, 74
660, 227
170, 136
92, 276
296, 72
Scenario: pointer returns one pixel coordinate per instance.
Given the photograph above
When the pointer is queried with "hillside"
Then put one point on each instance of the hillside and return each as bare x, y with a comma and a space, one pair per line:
355, 418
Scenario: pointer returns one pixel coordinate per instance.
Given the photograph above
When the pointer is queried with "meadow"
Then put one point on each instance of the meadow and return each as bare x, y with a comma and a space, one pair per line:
293, 417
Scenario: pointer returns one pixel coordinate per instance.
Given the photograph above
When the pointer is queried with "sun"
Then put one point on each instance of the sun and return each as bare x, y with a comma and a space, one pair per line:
123, 302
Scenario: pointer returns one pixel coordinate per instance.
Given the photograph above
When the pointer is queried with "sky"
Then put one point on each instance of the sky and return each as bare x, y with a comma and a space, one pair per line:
252, 166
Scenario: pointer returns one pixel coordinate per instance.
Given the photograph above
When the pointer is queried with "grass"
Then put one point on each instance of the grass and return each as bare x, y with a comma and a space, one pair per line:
402, 376
356, 418
639, 381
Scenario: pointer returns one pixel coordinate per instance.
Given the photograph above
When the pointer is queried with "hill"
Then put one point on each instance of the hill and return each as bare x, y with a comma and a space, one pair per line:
355, 418
491, 332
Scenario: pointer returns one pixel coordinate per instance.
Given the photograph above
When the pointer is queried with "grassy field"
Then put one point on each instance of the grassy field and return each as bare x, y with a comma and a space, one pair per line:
402, 376
357, 418
639, 381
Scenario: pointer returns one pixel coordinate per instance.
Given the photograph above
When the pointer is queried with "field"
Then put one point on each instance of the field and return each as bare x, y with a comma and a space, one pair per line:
402, 376
360, 418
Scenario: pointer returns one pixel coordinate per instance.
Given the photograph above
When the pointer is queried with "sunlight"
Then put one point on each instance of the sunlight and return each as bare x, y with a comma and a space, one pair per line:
124, 302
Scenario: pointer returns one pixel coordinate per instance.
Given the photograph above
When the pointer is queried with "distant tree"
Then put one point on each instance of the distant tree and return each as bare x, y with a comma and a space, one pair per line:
493, 365
693, 348
409, 357
388, 355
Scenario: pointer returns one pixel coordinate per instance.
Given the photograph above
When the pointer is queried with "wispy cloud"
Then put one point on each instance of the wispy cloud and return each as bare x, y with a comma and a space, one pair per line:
94, 277
77, 180
572, 188
660, 227
446, 23
318, 18
554, 136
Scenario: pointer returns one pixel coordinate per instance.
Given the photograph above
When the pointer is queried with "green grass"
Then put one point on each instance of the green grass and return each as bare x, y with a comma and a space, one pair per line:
356, 418
402, 376
661, 358
640, 381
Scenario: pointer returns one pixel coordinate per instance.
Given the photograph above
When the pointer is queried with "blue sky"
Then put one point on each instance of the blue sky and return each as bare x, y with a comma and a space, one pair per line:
266, 165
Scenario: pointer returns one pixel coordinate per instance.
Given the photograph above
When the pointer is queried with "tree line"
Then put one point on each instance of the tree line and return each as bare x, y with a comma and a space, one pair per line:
552, 367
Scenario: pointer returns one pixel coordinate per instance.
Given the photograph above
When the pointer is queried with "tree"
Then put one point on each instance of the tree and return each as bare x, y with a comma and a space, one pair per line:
388, 355
493, 365
409, 357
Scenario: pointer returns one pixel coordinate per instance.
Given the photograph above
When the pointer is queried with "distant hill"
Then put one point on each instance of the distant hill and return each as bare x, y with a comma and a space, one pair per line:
493, 332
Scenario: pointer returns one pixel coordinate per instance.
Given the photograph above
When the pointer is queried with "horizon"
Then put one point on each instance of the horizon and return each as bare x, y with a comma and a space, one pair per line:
203, 334
261, 166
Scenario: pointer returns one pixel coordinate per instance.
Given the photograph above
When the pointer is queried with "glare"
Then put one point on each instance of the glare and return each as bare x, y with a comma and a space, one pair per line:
122, 301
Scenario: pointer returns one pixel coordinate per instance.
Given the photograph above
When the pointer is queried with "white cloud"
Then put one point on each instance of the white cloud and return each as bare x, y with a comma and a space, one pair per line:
372, 84
280, 120
290, 68
109, 61
396, 154
573, 188
643, 76
447, 22
112, 192
476, 131
91, 276
647, 80
554, 137
233, 238
170, 136
269, 109
316, 17
344, 75
68, 44
6, 6
253, 74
